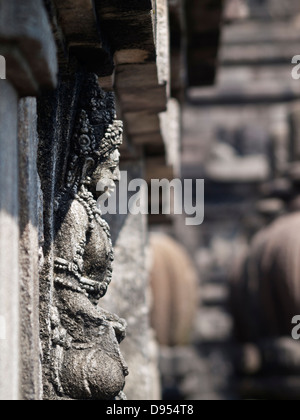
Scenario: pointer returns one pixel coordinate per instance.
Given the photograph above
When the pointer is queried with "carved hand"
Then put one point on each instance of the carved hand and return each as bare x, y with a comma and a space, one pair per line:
118, 324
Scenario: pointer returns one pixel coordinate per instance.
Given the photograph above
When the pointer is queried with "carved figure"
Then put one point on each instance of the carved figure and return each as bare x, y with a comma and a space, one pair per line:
266, 297
86, 360
266, 286
174, 286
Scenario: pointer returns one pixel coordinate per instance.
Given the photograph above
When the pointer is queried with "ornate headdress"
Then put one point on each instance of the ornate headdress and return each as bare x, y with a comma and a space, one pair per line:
97, 132
87, 142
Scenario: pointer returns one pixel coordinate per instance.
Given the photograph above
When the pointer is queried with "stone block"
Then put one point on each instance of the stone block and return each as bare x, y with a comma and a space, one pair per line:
26, 41
9, 246
31, 256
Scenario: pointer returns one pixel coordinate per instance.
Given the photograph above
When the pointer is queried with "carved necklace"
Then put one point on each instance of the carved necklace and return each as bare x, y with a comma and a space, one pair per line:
86, 199
88, 287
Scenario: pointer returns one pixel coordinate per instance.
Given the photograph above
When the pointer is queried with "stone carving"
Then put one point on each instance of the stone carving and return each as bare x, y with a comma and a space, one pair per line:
86, 358
266, 295
174, 286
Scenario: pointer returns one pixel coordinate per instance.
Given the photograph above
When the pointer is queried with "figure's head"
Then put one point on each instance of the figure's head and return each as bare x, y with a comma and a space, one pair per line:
106, 175
96, 141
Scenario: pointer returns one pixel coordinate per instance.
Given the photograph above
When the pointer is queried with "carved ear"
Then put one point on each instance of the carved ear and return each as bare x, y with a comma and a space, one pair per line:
88, 165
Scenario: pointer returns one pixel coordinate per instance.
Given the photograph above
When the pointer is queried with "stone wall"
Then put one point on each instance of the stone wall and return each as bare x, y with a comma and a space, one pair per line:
85, 81
27, 44
241, 135
68, 87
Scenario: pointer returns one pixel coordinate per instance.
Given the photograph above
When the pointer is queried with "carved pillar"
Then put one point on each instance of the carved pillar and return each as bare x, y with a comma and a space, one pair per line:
31, 258
26, 43
79, 145
55, 116
9, 237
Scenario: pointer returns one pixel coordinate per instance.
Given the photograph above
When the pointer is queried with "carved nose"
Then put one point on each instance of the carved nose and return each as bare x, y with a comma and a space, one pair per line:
117, 177
126, 370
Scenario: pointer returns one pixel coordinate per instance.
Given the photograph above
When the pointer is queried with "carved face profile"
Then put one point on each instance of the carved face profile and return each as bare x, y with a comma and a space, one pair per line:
106, 175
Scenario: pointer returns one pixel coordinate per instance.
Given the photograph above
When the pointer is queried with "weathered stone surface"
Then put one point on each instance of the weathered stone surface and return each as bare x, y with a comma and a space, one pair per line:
255, 42
178, 48
122, 21
170, 124
31, 254
257, 90
203, 32
260, 310
9, 246
255, 32
27, 43
163, 43
82, 37
140, 79
280, 355
175, 293
82, 359
129, 236
160, 136
157, 169
153, 102
265, 53
235, 10
53, 142
79, 28
189, 375
225, 165
271, 370
273, 388
80, 341
271, 9
273, 207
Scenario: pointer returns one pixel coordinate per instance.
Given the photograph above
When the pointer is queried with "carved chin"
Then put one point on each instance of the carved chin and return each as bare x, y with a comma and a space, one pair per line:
91, 374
